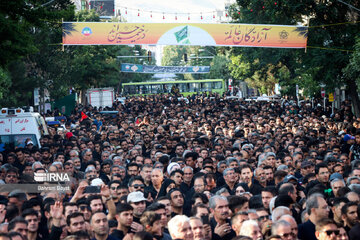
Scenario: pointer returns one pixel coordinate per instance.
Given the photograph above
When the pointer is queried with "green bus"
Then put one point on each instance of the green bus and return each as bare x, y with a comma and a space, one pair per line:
185, 87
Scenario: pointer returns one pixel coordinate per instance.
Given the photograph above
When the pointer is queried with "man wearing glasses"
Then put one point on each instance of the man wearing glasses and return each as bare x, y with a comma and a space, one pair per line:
283, 229
12, 176
317, 209
136, 184
326, 229
115, 189
138, 202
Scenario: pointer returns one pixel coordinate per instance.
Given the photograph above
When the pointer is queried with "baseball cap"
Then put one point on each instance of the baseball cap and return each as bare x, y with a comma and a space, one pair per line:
348, 137
69, 135
306, 164
97, 182
335, 176
136, 197
30, 142
341, 133
282, 167
288, 178
18, 194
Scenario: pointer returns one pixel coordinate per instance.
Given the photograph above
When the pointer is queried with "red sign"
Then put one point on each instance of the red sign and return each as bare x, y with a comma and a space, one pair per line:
322, 92
230, 84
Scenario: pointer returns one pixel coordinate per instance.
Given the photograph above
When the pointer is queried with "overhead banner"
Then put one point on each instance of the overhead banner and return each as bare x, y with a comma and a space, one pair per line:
137, 68
237, 35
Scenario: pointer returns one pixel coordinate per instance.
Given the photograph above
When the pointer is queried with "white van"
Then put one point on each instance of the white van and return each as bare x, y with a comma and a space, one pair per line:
19, 125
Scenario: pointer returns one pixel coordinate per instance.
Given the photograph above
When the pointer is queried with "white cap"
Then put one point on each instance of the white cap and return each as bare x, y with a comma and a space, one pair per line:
97, 182
135, 197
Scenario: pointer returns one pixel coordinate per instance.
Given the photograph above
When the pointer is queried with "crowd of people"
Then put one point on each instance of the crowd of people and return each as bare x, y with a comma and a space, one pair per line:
208, 168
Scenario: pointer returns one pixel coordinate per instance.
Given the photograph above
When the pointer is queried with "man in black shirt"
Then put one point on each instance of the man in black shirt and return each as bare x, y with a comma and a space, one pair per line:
220, 224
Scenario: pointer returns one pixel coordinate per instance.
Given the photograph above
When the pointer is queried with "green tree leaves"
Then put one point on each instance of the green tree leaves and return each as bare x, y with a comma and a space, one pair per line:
330, 29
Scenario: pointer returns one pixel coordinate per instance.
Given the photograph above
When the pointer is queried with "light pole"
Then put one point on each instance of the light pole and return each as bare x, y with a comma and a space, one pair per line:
322, 85
343, 88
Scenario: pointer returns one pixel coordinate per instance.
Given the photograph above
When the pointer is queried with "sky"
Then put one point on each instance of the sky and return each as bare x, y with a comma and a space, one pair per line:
174, 10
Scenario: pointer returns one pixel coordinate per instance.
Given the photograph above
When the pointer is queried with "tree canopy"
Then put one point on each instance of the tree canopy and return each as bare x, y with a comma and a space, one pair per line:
332, 29
32, 55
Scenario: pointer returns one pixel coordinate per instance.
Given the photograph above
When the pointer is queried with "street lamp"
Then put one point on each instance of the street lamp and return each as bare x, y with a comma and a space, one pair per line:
343, 88
192, 56
205, 50
322, 85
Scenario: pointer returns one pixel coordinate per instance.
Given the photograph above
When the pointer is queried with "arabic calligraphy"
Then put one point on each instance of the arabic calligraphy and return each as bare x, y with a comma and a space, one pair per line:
120, 33
164, 69
158, 69
239, 34
22, 121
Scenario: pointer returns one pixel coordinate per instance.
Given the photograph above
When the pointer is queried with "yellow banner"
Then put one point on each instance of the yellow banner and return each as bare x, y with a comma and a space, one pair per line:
241, 35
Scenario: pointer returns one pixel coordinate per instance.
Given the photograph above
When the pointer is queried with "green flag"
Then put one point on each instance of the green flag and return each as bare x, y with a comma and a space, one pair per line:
182, 34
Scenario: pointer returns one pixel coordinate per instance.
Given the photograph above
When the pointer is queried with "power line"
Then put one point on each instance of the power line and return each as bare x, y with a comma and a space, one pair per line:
334, 24
333, 49
349, 5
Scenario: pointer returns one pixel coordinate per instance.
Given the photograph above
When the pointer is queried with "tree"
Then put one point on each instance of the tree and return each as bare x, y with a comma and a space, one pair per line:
323, 64
5, 82
26, 27
57, 69
352, 73
219, 67
215, 57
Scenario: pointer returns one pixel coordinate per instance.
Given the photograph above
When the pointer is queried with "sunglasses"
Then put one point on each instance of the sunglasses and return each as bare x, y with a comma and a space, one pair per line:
83, 208
263, 218
138, 186
330, 232
115, 188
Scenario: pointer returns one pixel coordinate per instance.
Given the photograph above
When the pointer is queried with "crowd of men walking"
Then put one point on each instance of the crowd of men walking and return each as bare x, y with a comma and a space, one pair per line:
207, 168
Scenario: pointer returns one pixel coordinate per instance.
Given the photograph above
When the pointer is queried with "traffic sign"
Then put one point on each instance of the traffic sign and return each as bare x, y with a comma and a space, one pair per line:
322, 92
230, 84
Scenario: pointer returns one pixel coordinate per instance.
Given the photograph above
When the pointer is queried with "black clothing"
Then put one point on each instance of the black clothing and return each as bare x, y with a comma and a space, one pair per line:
255, 188
104, 177
307, 231
136, 219
354, 232
110, 237
228, 236
185, 188
118, 234
55, 233
231, 191
219, 179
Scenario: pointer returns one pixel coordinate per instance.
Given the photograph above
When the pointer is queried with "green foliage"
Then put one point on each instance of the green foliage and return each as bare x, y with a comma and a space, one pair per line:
219, 67
239, 69
5, 84
174, 55
29, 30
352, 70
87, 16
42, 62
309, 68
216, 58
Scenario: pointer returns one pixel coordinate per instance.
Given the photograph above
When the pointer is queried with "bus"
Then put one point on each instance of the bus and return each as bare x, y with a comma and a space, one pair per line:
185, 87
